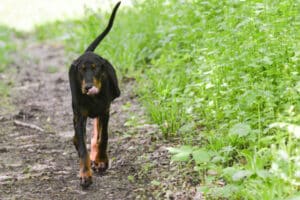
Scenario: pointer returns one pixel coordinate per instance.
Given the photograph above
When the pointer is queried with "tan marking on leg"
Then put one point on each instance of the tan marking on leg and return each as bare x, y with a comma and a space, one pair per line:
85, 168
85, 172
95, 141
99, 164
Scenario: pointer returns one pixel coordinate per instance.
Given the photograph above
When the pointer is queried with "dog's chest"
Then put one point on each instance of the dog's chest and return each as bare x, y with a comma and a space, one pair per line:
92, 107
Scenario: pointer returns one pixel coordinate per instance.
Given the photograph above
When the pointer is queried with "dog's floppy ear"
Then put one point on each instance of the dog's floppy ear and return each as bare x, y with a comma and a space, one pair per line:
73, 83
112, 78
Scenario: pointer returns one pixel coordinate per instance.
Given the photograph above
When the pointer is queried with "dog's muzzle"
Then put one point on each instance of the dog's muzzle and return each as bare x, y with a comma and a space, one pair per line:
92, 91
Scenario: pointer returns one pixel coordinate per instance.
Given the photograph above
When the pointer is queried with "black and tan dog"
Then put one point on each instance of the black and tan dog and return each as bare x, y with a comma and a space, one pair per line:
94, 86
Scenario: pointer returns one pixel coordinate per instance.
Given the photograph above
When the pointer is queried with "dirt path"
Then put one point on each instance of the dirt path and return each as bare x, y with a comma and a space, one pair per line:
37, 164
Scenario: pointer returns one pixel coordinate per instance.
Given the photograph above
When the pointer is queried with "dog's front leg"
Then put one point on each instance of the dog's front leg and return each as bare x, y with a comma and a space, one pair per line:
85, 172
99, 144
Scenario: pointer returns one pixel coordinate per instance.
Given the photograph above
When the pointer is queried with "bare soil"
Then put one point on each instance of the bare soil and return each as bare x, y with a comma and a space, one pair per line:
37, 156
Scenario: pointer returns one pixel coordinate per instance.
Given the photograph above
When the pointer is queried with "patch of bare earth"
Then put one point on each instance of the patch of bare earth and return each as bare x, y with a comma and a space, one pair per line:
37, 156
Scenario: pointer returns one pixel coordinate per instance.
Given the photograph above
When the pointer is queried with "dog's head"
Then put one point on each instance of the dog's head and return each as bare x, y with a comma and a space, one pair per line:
90, 74
94, 71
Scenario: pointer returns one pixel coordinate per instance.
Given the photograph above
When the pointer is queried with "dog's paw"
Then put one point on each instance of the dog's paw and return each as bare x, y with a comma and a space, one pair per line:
85, 178
85, 181
99, 167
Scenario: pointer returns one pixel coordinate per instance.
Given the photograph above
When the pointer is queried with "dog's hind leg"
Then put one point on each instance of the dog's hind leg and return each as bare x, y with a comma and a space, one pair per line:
85, 172
99, 144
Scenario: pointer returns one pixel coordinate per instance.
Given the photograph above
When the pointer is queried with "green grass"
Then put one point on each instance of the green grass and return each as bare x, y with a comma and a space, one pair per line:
7, 46
218, 75
52, 69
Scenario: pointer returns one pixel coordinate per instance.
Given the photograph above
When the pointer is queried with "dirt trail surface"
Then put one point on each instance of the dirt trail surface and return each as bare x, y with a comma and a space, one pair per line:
37, 156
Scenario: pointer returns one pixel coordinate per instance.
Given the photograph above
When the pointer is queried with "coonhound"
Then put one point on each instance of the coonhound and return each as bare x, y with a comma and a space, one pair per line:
94, 86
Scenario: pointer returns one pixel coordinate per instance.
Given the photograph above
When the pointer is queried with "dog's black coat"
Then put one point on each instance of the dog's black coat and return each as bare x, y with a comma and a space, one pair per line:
88, 68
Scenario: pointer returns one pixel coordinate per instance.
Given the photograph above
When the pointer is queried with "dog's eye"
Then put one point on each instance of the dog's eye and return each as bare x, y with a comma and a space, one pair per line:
82, 68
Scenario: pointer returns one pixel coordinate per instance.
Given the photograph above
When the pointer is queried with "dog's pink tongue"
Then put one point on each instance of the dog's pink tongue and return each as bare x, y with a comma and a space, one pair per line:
93, 91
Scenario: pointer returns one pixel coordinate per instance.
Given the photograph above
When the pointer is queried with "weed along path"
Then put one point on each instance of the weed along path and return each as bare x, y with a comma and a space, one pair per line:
37, 156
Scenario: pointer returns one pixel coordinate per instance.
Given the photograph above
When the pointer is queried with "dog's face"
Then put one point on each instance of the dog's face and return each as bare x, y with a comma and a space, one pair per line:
90, 74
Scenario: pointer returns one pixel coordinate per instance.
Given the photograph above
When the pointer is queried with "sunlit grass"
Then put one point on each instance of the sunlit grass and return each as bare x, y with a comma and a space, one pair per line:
7, 46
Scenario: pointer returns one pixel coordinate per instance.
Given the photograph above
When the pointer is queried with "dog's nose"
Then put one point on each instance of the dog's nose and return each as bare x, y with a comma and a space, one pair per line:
88, 87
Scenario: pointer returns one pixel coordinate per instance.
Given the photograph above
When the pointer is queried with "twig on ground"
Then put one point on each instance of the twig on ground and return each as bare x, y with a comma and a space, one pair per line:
32, 126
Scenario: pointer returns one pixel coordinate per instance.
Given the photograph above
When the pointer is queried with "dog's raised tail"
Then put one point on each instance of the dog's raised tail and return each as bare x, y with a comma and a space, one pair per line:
96, 42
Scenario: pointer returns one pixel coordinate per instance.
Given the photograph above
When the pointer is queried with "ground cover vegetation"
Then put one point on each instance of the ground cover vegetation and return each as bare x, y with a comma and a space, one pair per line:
7, 47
